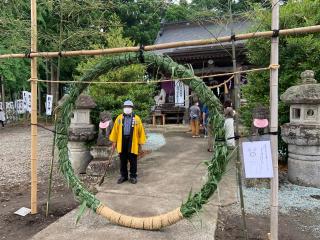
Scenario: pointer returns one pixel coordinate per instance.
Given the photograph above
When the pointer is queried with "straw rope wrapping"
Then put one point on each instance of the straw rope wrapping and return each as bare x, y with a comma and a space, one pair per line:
216, 166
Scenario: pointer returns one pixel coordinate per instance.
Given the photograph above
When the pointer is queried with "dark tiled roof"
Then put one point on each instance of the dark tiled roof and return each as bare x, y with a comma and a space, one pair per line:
185, 31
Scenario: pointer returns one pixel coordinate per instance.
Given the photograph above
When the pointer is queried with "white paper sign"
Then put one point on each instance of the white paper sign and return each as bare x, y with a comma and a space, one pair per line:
49, 105
179, 93
257, 159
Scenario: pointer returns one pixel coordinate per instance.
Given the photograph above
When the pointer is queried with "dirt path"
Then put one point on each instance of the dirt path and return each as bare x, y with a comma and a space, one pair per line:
165, 179
15, 184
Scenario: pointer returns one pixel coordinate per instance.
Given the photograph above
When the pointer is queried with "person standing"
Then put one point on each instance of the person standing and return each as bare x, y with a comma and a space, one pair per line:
195, 114
2, 117
127, 136
229, 123
207, 127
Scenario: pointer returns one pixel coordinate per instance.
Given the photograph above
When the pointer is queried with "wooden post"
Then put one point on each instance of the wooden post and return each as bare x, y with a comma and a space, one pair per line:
274, 120
237, 98
34, 120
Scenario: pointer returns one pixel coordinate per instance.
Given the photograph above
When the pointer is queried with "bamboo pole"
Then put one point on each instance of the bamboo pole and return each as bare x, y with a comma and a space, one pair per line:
237, 97
265, 34
34, 120
274, 120
51, 165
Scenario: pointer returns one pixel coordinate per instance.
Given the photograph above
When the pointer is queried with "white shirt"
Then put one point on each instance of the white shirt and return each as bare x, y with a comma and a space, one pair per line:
2, 116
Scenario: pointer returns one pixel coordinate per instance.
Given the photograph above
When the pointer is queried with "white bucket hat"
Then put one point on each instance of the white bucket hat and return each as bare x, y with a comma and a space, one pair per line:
128, 103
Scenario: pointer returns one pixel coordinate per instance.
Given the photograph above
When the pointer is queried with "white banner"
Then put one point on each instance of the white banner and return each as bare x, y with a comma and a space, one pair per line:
29, 102
9, 106
179, 93
25, 100
49, 105
19, 106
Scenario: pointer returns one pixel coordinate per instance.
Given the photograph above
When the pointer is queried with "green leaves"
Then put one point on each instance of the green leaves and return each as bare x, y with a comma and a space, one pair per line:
81, 210
297, 53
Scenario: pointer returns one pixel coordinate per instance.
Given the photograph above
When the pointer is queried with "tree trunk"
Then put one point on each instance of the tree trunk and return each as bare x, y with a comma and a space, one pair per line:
47, 78
54, 86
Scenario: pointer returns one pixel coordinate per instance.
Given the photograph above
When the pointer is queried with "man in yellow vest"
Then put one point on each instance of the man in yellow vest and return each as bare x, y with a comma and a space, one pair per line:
127, 136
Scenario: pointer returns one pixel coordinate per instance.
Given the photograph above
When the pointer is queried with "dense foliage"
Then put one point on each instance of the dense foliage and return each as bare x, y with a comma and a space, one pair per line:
111, 96
296, 54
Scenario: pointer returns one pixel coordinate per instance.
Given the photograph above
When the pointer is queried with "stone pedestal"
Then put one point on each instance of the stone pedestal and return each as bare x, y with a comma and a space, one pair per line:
304, 153
102, 151
79, 156
302, 134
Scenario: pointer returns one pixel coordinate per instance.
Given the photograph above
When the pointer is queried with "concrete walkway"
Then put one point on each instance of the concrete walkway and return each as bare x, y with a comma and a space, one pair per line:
165, 179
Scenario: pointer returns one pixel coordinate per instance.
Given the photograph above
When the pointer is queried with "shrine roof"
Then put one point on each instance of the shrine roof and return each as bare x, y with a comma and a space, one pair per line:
187, 31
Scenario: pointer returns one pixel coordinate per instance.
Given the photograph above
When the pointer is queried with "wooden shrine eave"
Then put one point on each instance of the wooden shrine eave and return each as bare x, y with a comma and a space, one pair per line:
215, 52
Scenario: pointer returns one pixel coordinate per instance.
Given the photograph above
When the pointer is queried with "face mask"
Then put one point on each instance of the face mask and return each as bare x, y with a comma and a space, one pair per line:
197, 104
127, 110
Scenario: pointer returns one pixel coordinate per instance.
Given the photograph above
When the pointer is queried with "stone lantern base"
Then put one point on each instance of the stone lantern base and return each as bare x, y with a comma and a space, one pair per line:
304, 153
79, 156
304, 165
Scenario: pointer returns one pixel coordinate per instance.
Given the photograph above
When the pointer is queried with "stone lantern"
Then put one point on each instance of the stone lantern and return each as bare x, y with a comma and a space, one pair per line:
81, 130
302, 134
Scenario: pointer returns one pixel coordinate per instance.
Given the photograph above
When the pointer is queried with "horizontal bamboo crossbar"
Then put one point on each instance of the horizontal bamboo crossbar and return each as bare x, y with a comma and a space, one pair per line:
266, 34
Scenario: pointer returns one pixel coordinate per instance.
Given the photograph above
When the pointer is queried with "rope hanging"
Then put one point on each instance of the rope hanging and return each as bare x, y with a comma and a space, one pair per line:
166, 80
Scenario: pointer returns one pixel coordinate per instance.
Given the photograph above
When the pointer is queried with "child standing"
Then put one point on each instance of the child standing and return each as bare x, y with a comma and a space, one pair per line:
195, 119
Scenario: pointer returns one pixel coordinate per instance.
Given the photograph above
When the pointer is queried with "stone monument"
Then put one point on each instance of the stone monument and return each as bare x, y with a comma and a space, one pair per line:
102, 150
302, 134
80, 131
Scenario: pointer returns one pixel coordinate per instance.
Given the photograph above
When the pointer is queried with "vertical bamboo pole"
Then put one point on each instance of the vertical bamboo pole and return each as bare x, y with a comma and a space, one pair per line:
237, 98
274, 120
34, 120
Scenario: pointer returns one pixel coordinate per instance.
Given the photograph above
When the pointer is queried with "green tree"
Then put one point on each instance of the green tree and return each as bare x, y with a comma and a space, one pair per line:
141, 18
296, 54
111, 96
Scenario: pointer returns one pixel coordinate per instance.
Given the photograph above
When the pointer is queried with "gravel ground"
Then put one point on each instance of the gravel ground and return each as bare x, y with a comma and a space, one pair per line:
295, 201
291, 198
15, 151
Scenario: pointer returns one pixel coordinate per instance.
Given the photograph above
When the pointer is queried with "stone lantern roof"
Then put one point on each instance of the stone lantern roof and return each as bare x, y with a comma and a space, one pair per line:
308, 92
85, 102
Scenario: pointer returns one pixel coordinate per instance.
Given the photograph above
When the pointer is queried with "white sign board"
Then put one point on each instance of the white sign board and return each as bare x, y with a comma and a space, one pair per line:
257, 159
179, 93
49, 105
